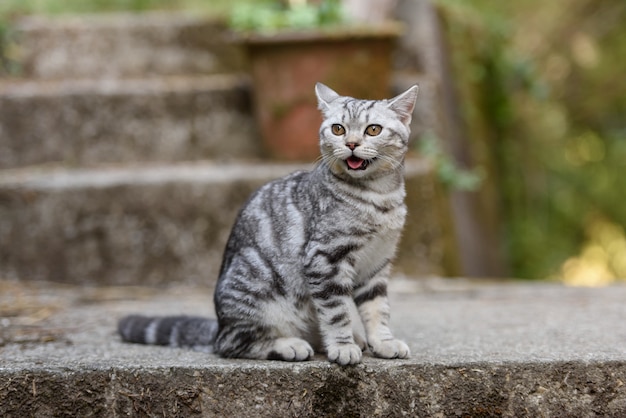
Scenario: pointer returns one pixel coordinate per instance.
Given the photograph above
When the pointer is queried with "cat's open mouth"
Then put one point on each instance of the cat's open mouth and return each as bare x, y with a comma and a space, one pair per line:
356, 163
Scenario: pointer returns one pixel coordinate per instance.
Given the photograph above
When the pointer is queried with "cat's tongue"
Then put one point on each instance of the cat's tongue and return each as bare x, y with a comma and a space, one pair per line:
355, 163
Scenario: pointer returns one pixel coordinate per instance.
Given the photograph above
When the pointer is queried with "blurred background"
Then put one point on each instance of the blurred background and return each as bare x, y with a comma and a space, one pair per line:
532, 156
542, 85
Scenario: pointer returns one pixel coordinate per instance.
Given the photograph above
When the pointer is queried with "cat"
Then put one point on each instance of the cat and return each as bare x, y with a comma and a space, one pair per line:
306, 265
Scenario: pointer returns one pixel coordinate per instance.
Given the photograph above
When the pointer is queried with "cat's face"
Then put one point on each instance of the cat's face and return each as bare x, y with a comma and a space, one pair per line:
364, 138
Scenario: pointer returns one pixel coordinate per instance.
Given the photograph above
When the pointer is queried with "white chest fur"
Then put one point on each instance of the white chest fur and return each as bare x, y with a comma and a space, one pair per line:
382, 246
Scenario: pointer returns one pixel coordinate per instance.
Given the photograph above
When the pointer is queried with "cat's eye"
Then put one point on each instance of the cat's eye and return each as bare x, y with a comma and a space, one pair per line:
338, 129
373, 130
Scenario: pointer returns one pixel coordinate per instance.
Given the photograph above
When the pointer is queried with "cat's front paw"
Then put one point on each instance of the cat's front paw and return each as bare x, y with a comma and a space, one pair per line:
344, 354
360, 340
291, 349
390, 349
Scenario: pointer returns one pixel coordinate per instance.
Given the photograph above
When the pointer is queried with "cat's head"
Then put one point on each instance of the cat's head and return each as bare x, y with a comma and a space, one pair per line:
364, 138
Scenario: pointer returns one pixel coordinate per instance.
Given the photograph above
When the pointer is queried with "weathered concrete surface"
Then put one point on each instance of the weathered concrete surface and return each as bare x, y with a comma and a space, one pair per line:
478, 349
160, 223
125, 45
87, 122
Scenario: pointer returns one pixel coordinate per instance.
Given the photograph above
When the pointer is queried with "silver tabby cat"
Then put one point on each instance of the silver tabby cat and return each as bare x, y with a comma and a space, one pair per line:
306, 266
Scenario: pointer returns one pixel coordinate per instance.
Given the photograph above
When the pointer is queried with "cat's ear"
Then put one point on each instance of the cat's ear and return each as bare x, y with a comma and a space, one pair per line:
403, 104
325, 95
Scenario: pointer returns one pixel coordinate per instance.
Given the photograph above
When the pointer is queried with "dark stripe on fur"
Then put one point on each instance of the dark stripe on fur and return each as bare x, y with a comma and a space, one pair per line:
195, 331
236, 341
320, 275
341, 252
341, 319
330, 304
164, 329
132, 328
378, 290
365, 202
331, 289
190, 330
334, 255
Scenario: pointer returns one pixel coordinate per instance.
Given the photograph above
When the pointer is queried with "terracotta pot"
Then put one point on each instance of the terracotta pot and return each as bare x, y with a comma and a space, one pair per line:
286, 66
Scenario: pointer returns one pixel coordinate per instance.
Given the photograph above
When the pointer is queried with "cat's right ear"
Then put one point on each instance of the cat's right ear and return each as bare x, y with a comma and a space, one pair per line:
403, 104
325, 95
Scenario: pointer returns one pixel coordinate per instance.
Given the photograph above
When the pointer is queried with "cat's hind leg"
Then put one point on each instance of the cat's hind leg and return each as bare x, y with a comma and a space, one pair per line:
260, 343
290, 349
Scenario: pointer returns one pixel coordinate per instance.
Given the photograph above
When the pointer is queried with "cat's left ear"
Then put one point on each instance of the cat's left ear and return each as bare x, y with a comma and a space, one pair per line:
403, 104
325, 95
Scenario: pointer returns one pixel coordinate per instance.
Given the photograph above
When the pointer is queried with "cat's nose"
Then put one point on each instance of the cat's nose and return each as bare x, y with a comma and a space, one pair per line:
351, 145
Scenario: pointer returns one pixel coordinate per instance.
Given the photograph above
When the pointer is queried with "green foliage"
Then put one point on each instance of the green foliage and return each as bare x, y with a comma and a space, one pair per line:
448, 171
77, 6
11, 8
544, 99
8, 59
274, 16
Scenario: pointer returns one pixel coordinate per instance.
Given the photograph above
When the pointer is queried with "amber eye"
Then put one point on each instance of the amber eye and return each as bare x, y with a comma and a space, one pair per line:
373, 130
338, 129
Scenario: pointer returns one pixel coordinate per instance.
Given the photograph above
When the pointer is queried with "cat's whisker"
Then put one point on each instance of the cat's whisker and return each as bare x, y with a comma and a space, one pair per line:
319, 160
327, 159
394, 163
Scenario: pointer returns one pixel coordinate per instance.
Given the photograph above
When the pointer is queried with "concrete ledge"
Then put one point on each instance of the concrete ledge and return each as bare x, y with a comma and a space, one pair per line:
317, 389
479, 349
158, 224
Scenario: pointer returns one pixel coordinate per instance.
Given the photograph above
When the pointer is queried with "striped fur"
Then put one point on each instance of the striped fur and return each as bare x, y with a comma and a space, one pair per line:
306, 266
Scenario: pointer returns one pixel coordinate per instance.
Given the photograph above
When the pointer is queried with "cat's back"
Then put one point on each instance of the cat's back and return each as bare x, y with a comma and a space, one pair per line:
277, 197
273, 220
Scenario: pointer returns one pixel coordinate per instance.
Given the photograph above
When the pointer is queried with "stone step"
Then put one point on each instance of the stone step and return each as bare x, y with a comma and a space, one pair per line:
478, 350
86, 122
124, 46
159, 224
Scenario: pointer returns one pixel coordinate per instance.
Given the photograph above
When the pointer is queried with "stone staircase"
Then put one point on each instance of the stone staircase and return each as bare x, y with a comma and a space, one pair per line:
125, 152
128, 146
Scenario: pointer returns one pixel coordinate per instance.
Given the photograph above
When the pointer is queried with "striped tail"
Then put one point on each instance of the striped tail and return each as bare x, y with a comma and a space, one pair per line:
174, 331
